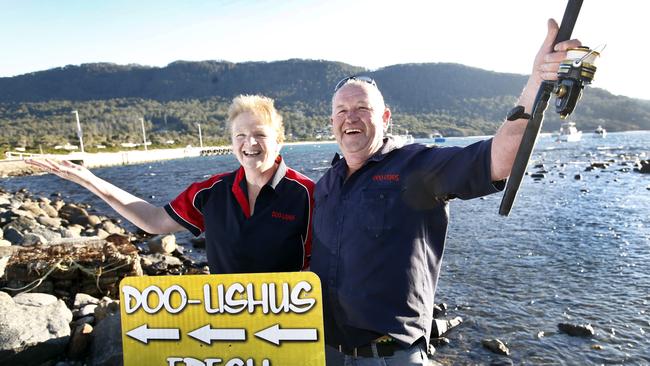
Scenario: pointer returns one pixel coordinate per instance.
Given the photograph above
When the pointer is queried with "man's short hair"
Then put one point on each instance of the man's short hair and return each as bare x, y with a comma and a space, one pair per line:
372, 89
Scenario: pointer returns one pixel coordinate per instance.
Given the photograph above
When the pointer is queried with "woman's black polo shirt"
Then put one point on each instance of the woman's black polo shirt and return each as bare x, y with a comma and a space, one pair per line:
276, 238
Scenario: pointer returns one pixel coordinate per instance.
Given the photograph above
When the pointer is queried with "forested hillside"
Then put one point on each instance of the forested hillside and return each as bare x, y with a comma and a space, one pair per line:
35, 108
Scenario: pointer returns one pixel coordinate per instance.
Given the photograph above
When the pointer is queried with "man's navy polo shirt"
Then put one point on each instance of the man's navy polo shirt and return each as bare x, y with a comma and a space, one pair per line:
276, 238
379, 237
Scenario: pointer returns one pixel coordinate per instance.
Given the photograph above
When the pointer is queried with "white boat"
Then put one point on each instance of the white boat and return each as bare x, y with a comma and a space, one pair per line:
569, 132
600, 132
403, 139
437, 137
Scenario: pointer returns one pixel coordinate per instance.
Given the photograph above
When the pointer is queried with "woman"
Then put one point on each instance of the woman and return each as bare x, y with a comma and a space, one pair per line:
255, 219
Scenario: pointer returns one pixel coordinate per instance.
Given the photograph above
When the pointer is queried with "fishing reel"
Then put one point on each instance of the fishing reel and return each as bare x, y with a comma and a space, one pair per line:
574, 73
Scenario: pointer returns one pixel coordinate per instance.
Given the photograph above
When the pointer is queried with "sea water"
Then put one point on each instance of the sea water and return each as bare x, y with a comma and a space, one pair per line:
572, 250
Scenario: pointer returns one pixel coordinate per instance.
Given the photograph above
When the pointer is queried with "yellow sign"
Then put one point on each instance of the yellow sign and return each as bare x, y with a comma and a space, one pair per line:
267, 319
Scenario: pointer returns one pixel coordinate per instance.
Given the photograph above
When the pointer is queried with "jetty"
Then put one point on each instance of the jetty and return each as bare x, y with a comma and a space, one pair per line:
14, 162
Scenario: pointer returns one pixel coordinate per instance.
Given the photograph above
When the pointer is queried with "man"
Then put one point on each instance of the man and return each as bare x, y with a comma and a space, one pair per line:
381, 218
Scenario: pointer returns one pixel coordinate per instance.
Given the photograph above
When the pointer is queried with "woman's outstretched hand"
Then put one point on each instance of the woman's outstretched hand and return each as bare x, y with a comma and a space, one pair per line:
64, 169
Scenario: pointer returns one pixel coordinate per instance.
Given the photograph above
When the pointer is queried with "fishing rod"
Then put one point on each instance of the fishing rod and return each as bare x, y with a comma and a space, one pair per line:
574, 72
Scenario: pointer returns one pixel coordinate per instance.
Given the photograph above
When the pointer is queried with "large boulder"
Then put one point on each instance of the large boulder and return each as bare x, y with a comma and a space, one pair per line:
163, 244
576, 330
32, 207
74, 214
33, 328
106, 347
5, 254
644, 167
496, 346
48, 209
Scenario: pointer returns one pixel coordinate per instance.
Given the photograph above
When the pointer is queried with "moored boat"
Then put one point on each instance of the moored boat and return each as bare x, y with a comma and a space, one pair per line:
569, 133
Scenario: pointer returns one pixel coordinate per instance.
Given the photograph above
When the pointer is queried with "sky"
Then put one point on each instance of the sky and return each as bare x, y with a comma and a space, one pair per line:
497, 35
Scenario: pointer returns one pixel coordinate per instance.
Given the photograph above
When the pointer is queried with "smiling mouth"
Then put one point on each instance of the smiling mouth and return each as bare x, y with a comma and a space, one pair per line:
251, 153
352, 131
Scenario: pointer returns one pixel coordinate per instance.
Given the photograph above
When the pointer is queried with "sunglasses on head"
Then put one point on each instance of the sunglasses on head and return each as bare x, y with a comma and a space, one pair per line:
365, 79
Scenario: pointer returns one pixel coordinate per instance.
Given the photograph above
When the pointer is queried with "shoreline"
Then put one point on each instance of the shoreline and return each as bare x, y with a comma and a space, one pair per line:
16, 167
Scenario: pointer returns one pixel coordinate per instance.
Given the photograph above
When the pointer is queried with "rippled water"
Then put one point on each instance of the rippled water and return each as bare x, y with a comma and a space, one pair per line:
571, 251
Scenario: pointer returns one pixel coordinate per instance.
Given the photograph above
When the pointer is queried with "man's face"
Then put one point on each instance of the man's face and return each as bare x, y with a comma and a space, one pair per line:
358, 120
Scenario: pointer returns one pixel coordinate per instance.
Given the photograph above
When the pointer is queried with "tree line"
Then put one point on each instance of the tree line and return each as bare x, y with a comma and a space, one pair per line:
35, 109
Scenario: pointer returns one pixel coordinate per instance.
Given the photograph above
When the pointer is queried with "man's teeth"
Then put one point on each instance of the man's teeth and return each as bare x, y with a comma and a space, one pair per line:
252, 153
352, 130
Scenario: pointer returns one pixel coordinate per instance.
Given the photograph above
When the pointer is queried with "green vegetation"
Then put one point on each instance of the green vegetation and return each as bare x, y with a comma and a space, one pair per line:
35, 109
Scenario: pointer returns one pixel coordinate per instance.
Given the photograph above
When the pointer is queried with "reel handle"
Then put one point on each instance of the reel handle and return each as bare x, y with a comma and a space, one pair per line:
535, 123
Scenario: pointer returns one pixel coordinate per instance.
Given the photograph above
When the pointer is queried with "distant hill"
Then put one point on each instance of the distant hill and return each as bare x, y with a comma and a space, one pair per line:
455, 99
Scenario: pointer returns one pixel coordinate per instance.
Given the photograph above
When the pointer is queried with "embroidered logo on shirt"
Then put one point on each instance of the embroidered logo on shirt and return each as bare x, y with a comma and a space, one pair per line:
386, 178
283, 216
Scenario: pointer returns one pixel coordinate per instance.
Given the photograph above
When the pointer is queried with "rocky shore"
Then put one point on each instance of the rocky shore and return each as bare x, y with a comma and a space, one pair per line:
60, 267
61, 263
15, 168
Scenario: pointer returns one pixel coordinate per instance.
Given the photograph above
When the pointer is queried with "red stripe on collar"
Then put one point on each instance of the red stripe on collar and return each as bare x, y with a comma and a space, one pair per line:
239, 193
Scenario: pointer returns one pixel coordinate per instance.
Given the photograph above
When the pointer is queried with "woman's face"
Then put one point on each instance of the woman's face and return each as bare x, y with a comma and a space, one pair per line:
254, 143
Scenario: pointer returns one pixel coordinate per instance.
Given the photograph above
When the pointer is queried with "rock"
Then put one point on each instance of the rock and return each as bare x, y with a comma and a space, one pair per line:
577, 177
81, 300
80, 341
74, 214
4, 257
106, 345
86, 310
24, 224
22, 213
118, 239
33, 328
198, 242
31, 239
1, 234
67, 233
164, 244
102, 234
155, 264
644, 167
496, 346
58, 204
48, 209
600, 165
94, 220
76, 230
597, 347
105, 308
576, 330
46, 220
14, 236
439, 342
538, 175
49, 235
4, 200
111, 228
90, 319
441, 326
33, 208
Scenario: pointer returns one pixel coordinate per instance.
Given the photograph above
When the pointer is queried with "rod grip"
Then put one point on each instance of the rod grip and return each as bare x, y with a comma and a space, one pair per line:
568, 21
